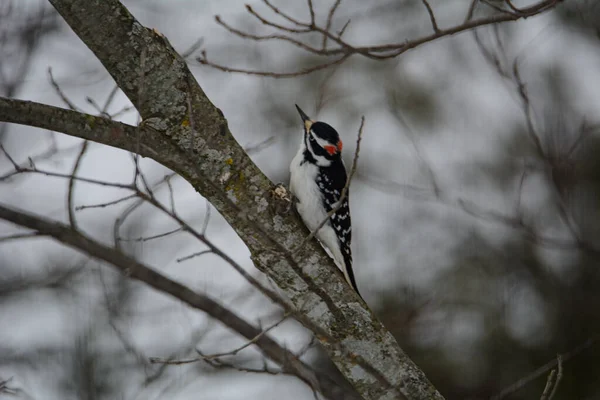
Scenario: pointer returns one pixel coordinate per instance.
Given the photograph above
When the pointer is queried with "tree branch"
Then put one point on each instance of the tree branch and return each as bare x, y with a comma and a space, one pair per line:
138, 271
345, 49
78, 124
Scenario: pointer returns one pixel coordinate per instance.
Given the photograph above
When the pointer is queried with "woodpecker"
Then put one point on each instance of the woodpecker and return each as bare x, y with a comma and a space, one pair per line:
317, 177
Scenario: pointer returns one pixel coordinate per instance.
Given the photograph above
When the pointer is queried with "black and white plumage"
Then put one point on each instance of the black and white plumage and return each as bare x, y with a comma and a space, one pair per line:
318, 177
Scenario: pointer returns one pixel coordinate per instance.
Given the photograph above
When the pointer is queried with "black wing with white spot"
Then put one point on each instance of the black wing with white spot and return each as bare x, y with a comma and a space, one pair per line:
331, 181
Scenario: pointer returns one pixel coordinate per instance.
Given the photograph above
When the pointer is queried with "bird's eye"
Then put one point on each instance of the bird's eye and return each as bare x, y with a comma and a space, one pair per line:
311, 138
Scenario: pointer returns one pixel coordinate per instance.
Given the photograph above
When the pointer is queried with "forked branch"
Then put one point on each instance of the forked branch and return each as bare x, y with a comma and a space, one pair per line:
343, 49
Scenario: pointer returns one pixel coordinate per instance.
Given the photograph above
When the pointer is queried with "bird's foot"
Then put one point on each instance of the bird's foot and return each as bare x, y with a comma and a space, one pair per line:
281, 199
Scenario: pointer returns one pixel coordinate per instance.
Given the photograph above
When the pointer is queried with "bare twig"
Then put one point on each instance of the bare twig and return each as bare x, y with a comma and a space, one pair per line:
154, 237
434, 24
206, 219
171, 195
220, 363
305, 71
341, 31
549, 385
559, 376
35, 170
70, 208
522, 90
106, 204
193, 48
194, 255
332, 11
282, 14
345, 49
136, 270
19, 236
520, 191
233, 352
312, 12
109, 99
518, 385
471, 10
553, 380
9, 158
273, 24
5, 388
121, 112
260, 146
59, 91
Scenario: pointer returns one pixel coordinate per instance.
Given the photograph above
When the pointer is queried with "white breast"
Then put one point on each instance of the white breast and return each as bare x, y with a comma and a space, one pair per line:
309, 204
303, 185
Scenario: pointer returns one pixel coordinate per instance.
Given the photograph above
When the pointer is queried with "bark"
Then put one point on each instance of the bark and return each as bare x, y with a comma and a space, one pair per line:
158, 82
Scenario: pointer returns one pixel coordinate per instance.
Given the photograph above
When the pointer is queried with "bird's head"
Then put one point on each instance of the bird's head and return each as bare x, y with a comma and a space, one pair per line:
320, 138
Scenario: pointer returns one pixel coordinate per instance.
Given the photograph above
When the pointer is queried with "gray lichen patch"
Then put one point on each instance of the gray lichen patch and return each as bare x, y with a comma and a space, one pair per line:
278, 223
231, 196
261, 204
317, 311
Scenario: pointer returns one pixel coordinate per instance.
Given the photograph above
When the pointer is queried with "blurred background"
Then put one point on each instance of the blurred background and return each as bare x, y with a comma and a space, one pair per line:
478, 249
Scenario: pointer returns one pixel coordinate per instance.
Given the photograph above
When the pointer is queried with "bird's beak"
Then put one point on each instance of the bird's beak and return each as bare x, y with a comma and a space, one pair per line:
307, 121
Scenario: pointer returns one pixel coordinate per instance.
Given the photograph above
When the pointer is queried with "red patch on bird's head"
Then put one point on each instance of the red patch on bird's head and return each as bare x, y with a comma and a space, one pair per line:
330, 149
340, 145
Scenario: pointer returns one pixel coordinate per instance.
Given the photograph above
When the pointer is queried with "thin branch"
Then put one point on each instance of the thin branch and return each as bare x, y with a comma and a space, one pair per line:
171, 195
9, 158
522, 91
341, 31
275, 25
154, 237
520, 191
518, 385
312, 12
106, 204
194, 255
378, 52
305, 71
109, 100
35, 170
72, 179
206, 219
121, 112
434, 24
59, 91
232, 352
260, 38
332, 11
136, 270
19, 236
219, 363
5, 388
260, 146
559, 376
193, 48
282, 14
471, 10
496, 7
549, 385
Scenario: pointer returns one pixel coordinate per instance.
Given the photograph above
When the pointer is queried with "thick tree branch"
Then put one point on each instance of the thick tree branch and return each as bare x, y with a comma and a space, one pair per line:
136, 270
171, 103
81, 125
